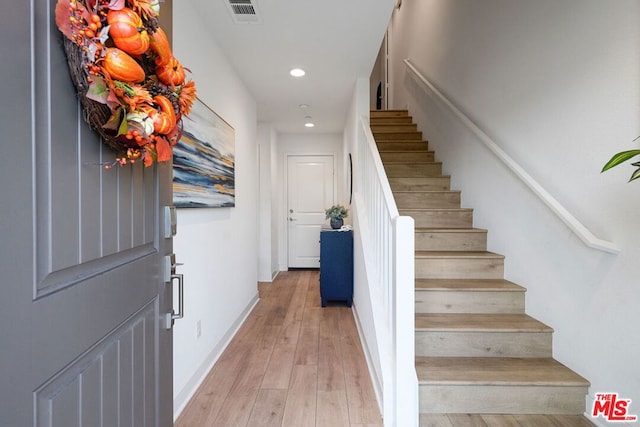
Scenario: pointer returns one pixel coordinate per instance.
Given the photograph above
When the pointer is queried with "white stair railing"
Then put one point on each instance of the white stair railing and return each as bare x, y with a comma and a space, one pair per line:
583, 233
388, 242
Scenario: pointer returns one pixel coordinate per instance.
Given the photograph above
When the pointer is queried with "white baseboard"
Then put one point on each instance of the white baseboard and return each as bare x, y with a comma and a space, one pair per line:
183, 398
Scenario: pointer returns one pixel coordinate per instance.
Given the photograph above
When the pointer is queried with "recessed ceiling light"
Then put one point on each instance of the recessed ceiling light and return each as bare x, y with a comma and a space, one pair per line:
303, 106
309, 124
297, 72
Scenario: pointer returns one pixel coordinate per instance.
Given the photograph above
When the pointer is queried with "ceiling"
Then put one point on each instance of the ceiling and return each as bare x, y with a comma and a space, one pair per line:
334, 41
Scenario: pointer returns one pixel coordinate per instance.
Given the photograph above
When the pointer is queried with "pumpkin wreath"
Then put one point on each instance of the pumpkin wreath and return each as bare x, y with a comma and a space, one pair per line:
133, 91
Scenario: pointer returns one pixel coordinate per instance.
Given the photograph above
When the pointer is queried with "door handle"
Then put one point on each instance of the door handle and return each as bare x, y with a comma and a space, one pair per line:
170, 318
180, 313
292, 219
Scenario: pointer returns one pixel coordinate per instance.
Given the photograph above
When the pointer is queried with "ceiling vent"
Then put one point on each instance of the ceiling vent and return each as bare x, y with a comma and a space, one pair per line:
243, 11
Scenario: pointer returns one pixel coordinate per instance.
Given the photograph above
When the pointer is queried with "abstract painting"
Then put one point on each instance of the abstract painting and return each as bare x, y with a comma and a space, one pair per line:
204, 161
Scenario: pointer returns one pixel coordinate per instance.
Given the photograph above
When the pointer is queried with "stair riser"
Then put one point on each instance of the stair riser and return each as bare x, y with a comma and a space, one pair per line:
496, 399
390, 120
389, 113
437, 199
420, 184
453, 268
433, 301
402, 146
444, 219
411, 156
417, 170
397, 136
451, 241
400, 127
483, 344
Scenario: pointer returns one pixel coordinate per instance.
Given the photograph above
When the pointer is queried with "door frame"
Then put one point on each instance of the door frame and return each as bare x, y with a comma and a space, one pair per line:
284, 261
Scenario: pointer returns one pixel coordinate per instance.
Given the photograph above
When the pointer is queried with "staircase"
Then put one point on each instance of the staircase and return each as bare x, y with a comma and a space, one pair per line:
477, 352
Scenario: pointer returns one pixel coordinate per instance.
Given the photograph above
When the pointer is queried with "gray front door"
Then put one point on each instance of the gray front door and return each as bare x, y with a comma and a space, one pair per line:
82, 285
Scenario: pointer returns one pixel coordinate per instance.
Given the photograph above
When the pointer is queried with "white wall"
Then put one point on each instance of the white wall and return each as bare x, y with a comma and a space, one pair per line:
217, 246
362, 298
267, 234
302, 144
555, 84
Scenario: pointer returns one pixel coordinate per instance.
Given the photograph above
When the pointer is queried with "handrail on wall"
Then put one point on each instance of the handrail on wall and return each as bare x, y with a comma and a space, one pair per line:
587, 237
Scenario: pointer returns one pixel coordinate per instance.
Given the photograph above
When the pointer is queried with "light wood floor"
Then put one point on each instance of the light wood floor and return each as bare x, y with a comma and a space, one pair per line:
295, 364
292, 364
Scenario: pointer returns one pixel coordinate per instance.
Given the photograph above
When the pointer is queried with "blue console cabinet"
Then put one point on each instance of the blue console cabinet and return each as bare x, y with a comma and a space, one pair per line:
336, 266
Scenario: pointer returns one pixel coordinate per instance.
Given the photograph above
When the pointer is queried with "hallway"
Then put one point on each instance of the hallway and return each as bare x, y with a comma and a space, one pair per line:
291, 364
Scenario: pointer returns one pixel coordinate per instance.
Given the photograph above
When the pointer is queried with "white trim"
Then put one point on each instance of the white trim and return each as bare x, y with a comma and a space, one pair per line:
183, 398
587, 237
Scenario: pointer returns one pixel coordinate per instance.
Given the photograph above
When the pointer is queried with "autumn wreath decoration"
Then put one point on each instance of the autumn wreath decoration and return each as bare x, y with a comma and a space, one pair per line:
132, 89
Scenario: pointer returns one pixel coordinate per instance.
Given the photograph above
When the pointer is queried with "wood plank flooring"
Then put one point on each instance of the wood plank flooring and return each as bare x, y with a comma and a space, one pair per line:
291, 364
295, 364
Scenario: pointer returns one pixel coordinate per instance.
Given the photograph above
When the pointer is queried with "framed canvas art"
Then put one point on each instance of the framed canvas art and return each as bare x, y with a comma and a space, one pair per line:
204, 161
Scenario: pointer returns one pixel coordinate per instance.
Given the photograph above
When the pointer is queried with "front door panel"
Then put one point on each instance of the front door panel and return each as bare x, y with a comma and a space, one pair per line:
87, 291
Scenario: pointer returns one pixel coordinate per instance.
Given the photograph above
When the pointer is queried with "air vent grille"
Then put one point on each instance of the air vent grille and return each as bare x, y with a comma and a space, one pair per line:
243, 11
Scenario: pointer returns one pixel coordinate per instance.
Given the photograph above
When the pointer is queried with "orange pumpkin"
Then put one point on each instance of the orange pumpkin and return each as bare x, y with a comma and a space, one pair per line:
171, 73
127, 32
120, 66
160, 45
164, 120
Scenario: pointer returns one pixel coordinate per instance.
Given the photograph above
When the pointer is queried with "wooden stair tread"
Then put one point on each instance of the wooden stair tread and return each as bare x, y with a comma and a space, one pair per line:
449, 230
478, 285
411, 163
458, 254
378, 131
465, 322
408, 211
496, 371
395, 150
403, 141
425, 191
388, 112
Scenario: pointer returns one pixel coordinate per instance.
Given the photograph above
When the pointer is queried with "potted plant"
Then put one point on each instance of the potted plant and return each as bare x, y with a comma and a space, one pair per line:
336, 215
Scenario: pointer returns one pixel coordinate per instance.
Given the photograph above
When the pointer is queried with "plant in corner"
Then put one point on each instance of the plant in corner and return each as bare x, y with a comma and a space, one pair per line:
622, 157
336, 214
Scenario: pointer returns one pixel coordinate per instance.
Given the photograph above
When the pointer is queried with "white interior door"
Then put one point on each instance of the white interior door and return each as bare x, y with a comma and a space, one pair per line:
310, 190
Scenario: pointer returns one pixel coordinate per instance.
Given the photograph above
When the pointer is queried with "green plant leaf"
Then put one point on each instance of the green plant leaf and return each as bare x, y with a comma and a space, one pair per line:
635, 175
620, 157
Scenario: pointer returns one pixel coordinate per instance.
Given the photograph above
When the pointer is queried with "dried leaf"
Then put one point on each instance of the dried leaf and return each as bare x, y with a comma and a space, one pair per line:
164, 150
115, 120
98, 90
62, 18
